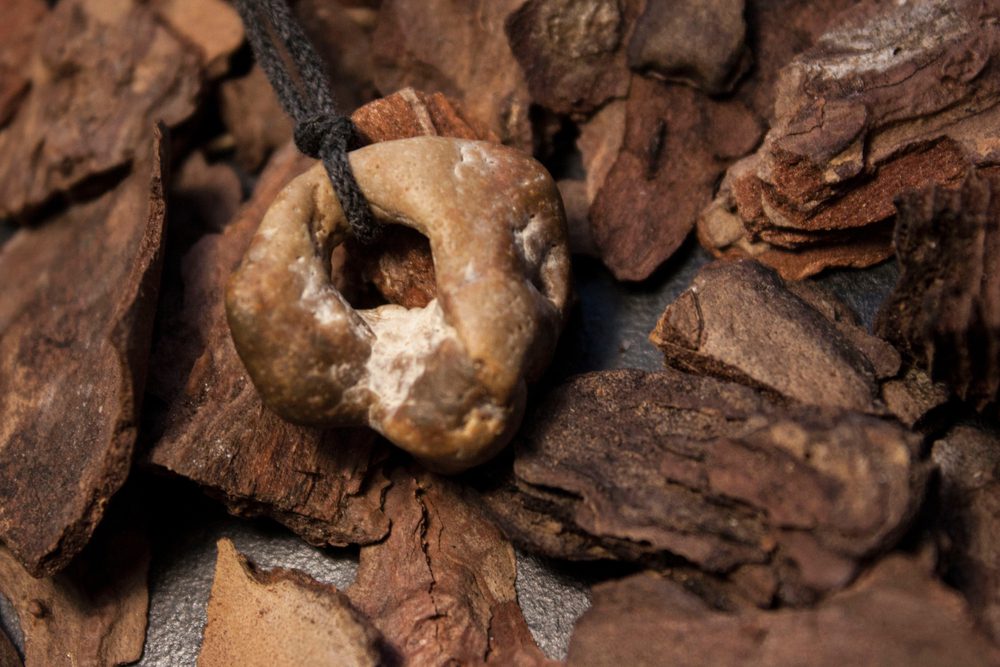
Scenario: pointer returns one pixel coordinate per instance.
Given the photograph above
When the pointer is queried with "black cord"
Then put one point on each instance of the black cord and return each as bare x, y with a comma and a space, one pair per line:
320, 132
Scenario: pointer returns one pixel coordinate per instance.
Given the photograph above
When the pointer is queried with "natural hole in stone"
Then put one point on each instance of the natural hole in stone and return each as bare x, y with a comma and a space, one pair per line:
398, 269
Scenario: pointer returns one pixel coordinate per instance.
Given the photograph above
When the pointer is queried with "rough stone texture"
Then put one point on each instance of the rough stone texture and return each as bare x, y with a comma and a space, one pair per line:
895, 615
281, 617
808, 348
17, 35
75, 324
441, 587
945, 309
671, 468
896, 97
103, 74
693, 41
326, 486
469, 59
969, 521
92, 613
664, 172
447, 383
573, 51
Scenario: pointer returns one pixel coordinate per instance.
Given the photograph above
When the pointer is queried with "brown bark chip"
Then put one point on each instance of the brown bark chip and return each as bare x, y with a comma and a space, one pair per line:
211, 27
969, 522
895, 615
675, 468
21, 20
573, 51
75, 323
9, 656
670, 158
103, 74
254, 117
323, 485
92, 613
945, 309
797, 350
441, 586
894, 97
280, 617
468, 59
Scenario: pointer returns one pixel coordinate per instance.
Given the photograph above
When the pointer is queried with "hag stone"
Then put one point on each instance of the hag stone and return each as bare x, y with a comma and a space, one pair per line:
446, 382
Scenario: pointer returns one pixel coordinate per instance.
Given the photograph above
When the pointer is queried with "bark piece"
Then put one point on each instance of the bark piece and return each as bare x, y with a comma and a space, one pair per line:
280, 617
573, 51
707, 472
104, 74
254, 117
9, 656
324, 485
701, 43
862, 117
212, 27
665, 172
342, 37
441, 587
92, 613
969, 522
896, 615
17, 36
75, 325
469, 59
810, 354
945, 309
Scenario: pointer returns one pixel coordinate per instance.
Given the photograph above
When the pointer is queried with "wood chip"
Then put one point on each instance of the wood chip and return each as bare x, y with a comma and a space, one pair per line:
253, 115
441, 587
17, 35
75, 324
92, 613
469, 59
896, 615
212, 27
696, 42
968, 524
104, 73
9, 657
573, 51
665, 171
945, 309
342, 37
806, 349
280, 617
853, 130
708, 472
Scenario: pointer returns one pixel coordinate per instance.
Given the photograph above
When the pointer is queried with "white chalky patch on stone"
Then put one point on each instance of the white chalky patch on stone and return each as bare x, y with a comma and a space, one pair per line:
318, 295
405, 341
474, 157
531, 241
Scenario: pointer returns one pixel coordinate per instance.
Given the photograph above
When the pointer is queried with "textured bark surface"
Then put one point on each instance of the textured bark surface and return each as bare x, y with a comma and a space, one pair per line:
281, 617
469, 59
677, 469
894, 98
211, 27
809, 348
17, 35
103, 75
9, 656
664, 173
695, 42
945, 309
92, 613
440, 588
253, 116
75, 324
969, 520
895, 615
573, 51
